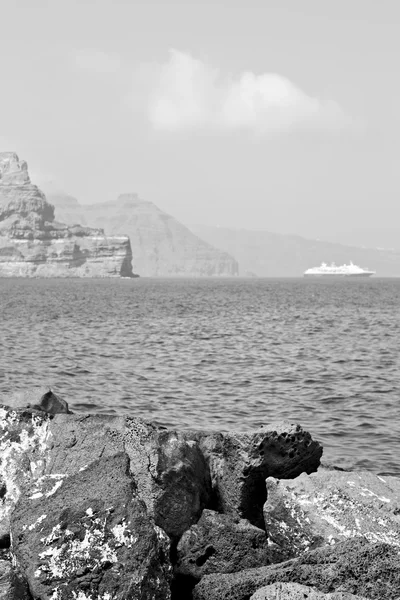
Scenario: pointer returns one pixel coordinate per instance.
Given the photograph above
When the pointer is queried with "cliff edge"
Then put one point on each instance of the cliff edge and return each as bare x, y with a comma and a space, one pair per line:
34, 244
161, 245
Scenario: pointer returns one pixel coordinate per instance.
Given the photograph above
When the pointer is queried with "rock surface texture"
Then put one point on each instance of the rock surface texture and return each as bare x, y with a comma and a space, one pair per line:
161, 246
12, 585
90, 533
331, 506
296, 591
101, 507
240, 463
33, 244
356, 566
221, 544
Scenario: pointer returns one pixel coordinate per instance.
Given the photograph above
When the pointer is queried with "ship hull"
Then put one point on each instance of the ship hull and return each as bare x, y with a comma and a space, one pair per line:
338, 275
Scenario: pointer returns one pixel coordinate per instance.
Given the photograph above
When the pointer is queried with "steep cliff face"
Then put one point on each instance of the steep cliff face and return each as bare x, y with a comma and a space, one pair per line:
161, 246
33, 244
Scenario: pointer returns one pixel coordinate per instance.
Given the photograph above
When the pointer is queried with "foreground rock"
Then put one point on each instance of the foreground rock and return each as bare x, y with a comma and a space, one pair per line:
33, 244
296, 591
220, 544
240, 463
90, 532
12, 585
330, 506
161, 246
356, 566
23, 451
99, 503
42, 399
172, 475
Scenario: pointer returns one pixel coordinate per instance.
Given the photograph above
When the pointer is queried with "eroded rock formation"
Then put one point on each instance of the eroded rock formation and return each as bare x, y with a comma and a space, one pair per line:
34, 244
161, 246
101, 507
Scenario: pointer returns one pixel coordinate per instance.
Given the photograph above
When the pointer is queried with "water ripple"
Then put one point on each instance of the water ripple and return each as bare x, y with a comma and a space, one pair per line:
217, 354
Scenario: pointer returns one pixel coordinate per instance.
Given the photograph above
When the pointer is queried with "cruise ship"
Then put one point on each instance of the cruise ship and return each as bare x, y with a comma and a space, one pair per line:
338, 271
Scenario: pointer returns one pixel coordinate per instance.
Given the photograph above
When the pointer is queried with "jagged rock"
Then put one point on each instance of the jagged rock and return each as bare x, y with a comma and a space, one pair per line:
12, 585
90, 534
12, 170
37, 398
355, 566
296, 591
220, 544
330, 506
171, 473
33, 244
24, 435
240, 463
161, 246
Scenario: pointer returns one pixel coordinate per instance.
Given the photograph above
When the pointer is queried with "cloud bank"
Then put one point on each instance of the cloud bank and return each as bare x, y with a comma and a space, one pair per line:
189, 95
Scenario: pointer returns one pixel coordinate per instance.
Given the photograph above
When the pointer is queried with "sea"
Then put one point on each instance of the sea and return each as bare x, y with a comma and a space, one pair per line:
217, 354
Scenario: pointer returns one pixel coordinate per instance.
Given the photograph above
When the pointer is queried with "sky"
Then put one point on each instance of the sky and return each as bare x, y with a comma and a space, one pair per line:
256, 114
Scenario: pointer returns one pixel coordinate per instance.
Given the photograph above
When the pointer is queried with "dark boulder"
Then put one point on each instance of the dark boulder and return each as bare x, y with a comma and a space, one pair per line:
37, 398
240, 462
356, 566
220, 544
12, 585
171, 474
90, 534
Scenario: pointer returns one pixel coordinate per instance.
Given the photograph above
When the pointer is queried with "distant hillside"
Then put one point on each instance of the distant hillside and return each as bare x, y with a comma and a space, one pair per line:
273, 255
161, 246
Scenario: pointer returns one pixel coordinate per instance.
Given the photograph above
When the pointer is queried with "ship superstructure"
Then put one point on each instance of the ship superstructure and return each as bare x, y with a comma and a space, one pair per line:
332, 270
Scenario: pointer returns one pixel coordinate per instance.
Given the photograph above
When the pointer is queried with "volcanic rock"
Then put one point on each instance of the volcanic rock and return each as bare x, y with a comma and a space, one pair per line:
240, 462
220, 544
170, 472
330, 506
161, 246
12, 585
37, 398
23, 449
355, 566
90, 534
33, 244
296, 591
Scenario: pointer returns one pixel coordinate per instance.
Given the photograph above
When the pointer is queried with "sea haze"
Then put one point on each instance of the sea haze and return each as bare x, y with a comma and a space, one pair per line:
217, 354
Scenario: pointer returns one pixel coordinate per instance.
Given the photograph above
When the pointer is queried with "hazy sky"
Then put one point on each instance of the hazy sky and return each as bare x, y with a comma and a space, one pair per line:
279, 115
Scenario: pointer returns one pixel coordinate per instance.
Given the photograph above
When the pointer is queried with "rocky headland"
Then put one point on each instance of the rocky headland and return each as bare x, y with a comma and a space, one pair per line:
161, 246
34, 244
98, 507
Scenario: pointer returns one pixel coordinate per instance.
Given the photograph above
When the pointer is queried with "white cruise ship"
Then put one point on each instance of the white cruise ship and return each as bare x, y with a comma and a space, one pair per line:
338, 271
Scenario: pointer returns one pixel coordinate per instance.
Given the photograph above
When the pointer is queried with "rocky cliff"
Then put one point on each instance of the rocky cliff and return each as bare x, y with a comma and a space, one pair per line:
161, 246
34, 244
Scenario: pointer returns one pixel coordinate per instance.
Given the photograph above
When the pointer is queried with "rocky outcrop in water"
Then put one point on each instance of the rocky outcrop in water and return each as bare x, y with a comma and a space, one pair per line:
161, 246
34, 244
110, 508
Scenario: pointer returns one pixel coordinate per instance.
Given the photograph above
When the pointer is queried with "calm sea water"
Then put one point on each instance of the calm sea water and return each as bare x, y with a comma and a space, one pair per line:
217, 354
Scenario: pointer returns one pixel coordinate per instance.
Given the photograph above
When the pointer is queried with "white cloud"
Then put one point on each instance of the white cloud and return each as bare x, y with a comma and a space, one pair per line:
96, 61
187, 94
